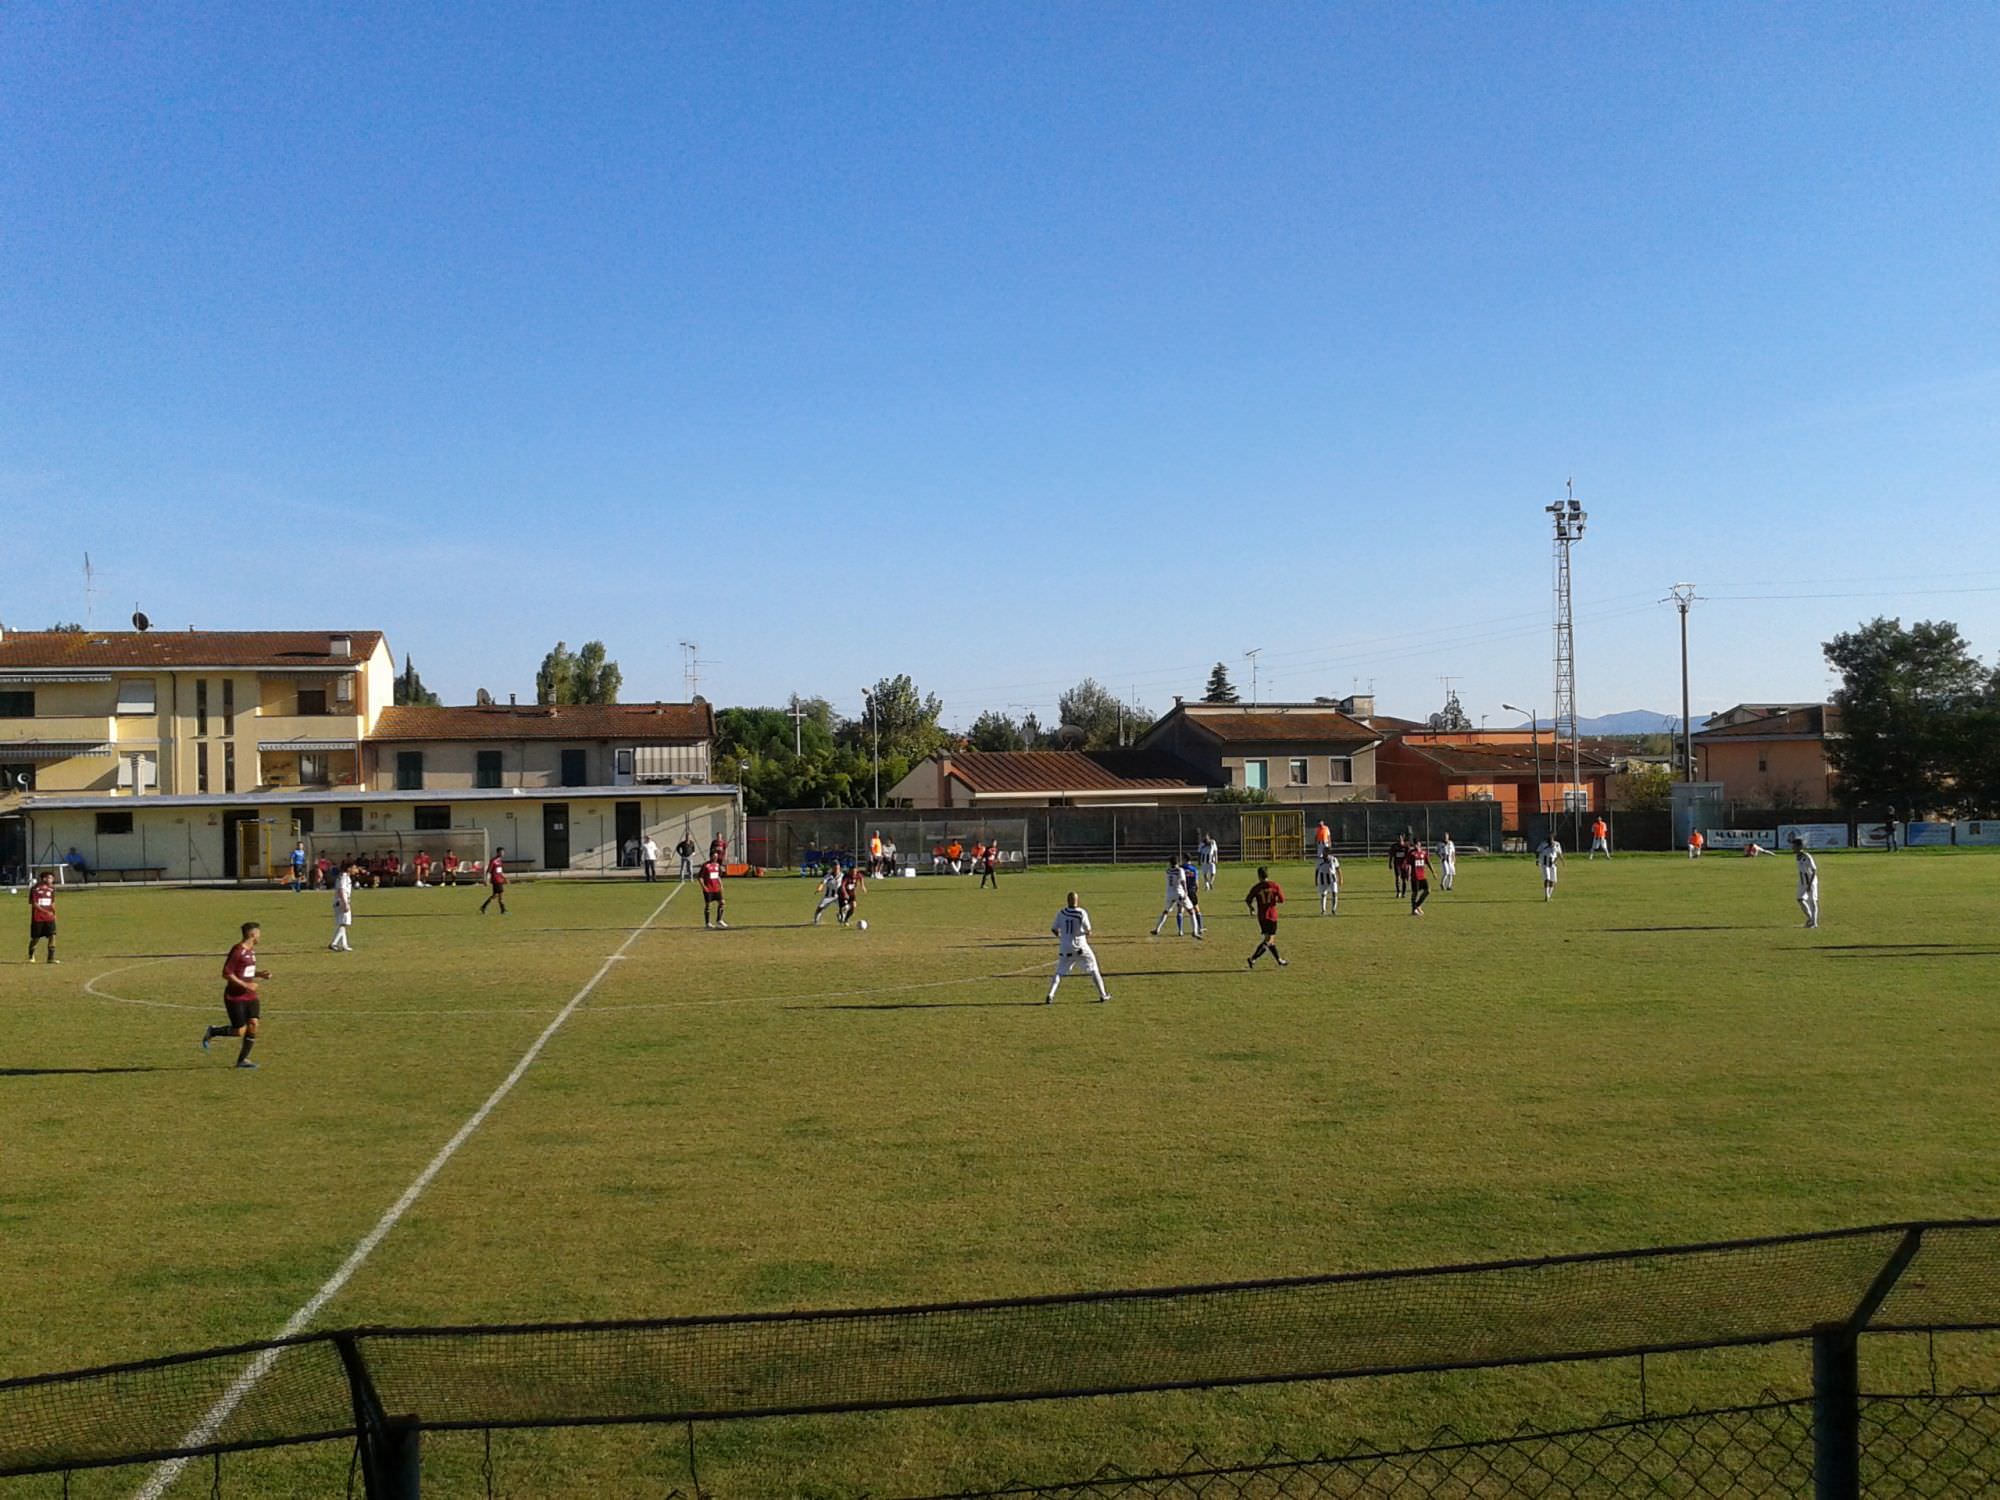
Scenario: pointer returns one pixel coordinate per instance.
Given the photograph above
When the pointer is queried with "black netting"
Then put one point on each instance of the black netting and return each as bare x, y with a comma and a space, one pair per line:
1311, 1328
1743, 1451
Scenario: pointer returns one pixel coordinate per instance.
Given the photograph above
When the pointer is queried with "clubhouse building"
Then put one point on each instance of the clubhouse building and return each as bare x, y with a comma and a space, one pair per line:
204, 755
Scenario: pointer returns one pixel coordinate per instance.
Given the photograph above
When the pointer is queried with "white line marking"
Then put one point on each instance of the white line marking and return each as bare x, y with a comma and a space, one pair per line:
210, 1424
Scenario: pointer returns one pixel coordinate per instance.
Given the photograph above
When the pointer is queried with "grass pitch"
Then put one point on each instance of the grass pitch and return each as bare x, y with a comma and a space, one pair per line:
782, 1116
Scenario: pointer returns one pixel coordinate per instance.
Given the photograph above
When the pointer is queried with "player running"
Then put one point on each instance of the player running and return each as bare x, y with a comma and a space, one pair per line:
1073, 951
1265, 898
240, 1000
1177, 904
1808, 881
1326, 876
829, 892
496, 877
42, 915
1447, 863
1420, 878
851, 886
1550, 857
711, 893
1600, 839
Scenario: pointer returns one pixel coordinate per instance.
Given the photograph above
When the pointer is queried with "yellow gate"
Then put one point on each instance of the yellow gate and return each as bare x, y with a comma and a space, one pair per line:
1272, 836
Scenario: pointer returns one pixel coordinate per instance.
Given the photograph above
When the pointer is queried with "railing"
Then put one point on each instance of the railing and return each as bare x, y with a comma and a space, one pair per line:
383, 1388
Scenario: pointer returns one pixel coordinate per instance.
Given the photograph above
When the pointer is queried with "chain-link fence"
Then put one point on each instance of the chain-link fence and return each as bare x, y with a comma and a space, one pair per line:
386, 1386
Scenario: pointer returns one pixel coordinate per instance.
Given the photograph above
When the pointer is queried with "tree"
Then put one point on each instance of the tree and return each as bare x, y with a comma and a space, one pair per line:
1643, 788
905, 720
993, 730
1104, 720
586, 676
410, 687
1907, 701
66, 627
1220, 689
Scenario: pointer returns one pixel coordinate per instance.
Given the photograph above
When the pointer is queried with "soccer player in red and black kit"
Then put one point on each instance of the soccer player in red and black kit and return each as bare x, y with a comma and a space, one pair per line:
1420, 878
240, 978
496, 876
42, 915
711, 892
1265, 898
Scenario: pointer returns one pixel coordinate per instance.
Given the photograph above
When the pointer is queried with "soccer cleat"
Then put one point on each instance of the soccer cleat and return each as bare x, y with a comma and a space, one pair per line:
1101, 999
55, 960
246, 1063
1283, 964
721, 926
206, 1038
1250, 963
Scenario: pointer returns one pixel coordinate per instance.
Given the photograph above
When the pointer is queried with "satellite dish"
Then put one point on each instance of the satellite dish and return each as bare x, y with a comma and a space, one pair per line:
483, 698
1070, 736
139, 620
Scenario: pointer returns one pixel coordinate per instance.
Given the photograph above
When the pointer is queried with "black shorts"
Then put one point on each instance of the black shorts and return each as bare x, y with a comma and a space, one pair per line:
40, 930
243, 1012
1268, 926
708, 896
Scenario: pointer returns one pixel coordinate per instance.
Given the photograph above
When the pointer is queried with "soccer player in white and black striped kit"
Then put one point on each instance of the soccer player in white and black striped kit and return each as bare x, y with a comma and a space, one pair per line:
1073, 951
1808, 881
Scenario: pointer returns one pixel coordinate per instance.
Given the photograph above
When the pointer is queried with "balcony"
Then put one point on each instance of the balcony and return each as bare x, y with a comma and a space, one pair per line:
302, 731
92, 729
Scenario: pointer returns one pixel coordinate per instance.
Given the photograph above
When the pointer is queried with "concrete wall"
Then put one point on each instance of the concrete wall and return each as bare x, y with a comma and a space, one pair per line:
1774, 772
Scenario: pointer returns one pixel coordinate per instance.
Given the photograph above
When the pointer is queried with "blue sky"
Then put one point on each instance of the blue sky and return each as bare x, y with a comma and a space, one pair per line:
1008, 344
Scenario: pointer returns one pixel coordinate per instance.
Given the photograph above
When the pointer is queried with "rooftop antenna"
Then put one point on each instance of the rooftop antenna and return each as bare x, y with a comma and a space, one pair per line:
691, 665
1252, 654
89, 591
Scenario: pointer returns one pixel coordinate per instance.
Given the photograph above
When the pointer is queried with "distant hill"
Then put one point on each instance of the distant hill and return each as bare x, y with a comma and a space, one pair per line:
1632, 721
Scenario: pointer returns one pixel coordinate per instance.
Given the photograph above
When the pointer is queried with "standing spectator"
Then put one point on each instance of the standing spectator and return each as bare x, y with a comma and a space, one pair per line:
1324, 837
649, 852
685, 849
875, 852
298, 867
1600, 839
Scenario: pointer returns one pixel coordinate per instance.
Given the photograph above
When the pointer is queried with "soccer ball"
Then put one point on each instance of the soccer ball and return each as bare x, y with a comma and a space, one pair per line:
864, 924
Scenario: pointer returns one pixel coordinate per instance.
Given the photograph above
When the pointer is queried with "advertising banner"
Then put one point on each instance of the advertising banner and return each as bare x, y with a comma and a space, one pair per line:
1740, 838
1929, 835
1816, 835
1978, 831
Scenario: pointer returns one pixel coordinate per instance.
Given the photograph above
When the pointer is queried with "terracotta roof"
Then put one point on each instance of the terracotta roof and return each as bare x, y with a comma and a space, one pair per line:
111, 650
1498, 760
1811, 722
1303, 726
1061, 772
641, 723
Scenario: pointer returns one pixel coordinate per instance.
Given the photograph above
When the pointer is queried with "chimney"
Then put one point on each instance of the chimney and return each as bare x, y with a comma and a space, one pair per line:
513, 700
340, 645
1358, 705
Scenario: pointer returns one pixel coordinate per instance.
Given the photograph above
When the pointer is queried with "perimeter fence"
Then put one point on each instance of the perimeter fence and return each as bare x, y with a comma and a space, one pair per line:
382, 1389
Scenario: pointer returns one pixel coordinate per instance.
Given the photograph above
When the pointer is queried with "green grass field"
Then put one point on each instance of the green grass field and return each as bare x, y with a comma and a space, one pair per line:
781, 1116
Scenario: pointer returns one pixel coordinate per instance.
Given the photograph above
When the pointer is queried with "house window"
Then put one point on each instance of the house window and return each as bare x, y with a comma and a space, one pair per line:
312, 701
1763, 763
201, 708
409, 770
136, 696
229, 765
350, 820
486, 769
573, 768
16, 704
1256, 774
138, 772
343, 691
431, 819
110, 825
1298, 771
229, 707
1340, 770
315, 770
201, 768
302, 822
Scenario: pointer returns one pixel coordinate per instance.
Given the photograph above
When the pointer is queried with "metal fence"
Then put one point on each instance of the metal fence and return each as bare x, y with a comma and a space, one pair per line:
381, 1389
1121, 835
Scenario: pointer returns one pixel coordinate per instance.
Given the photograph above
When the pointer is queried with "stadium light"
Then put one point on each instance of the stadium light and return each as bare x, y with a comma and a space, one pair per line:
1535, 725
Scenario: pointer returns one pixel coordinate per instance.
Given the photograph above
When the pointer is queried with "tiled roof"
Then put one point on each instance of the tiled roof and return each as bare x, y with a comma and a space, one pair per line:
1499, 760
641, 723
1301, 726
1061, 772
1812, 722
111, 650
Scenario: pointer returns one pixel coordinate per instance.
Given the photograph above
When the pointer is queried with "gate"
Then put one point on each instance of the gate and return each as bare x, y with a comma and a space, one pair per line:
1269, 836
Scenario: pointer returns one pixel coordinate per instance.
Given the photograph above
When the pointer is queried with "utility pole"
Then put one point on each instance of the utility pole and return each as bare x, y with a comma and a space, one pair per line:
1569, 519
798, 728
1683, 597
1252, 654
875, 723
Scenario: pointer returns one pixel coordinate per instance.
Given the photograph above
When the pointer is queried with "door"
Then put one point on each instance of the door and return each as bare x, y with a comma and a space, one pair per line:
622, 767
239, 845
626, 814
555, 835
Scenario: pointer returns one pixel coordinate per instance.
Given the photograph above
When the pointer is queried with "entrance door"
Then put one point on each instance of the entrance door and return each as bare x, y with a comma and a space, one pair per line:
239, 845
627, 817
555, 835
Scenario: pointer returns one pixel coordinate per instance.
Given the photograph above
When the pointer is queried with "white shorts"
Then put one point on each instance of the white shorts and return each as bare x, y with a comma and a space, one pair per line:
1082, 960
343, 919
1548, 874
1809, 890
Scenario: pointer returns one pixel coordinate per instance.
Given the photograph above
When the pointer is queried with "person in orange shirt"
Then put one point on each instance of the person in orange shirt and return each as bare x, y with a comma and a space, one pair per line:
1695, 841
1600, 839
875, 853
956, 854
1324, 836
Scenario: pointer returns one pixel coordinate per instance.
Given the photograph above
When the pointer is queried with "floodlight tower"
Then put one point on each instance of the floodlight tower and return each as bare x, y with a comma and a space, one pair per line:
1569, 518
